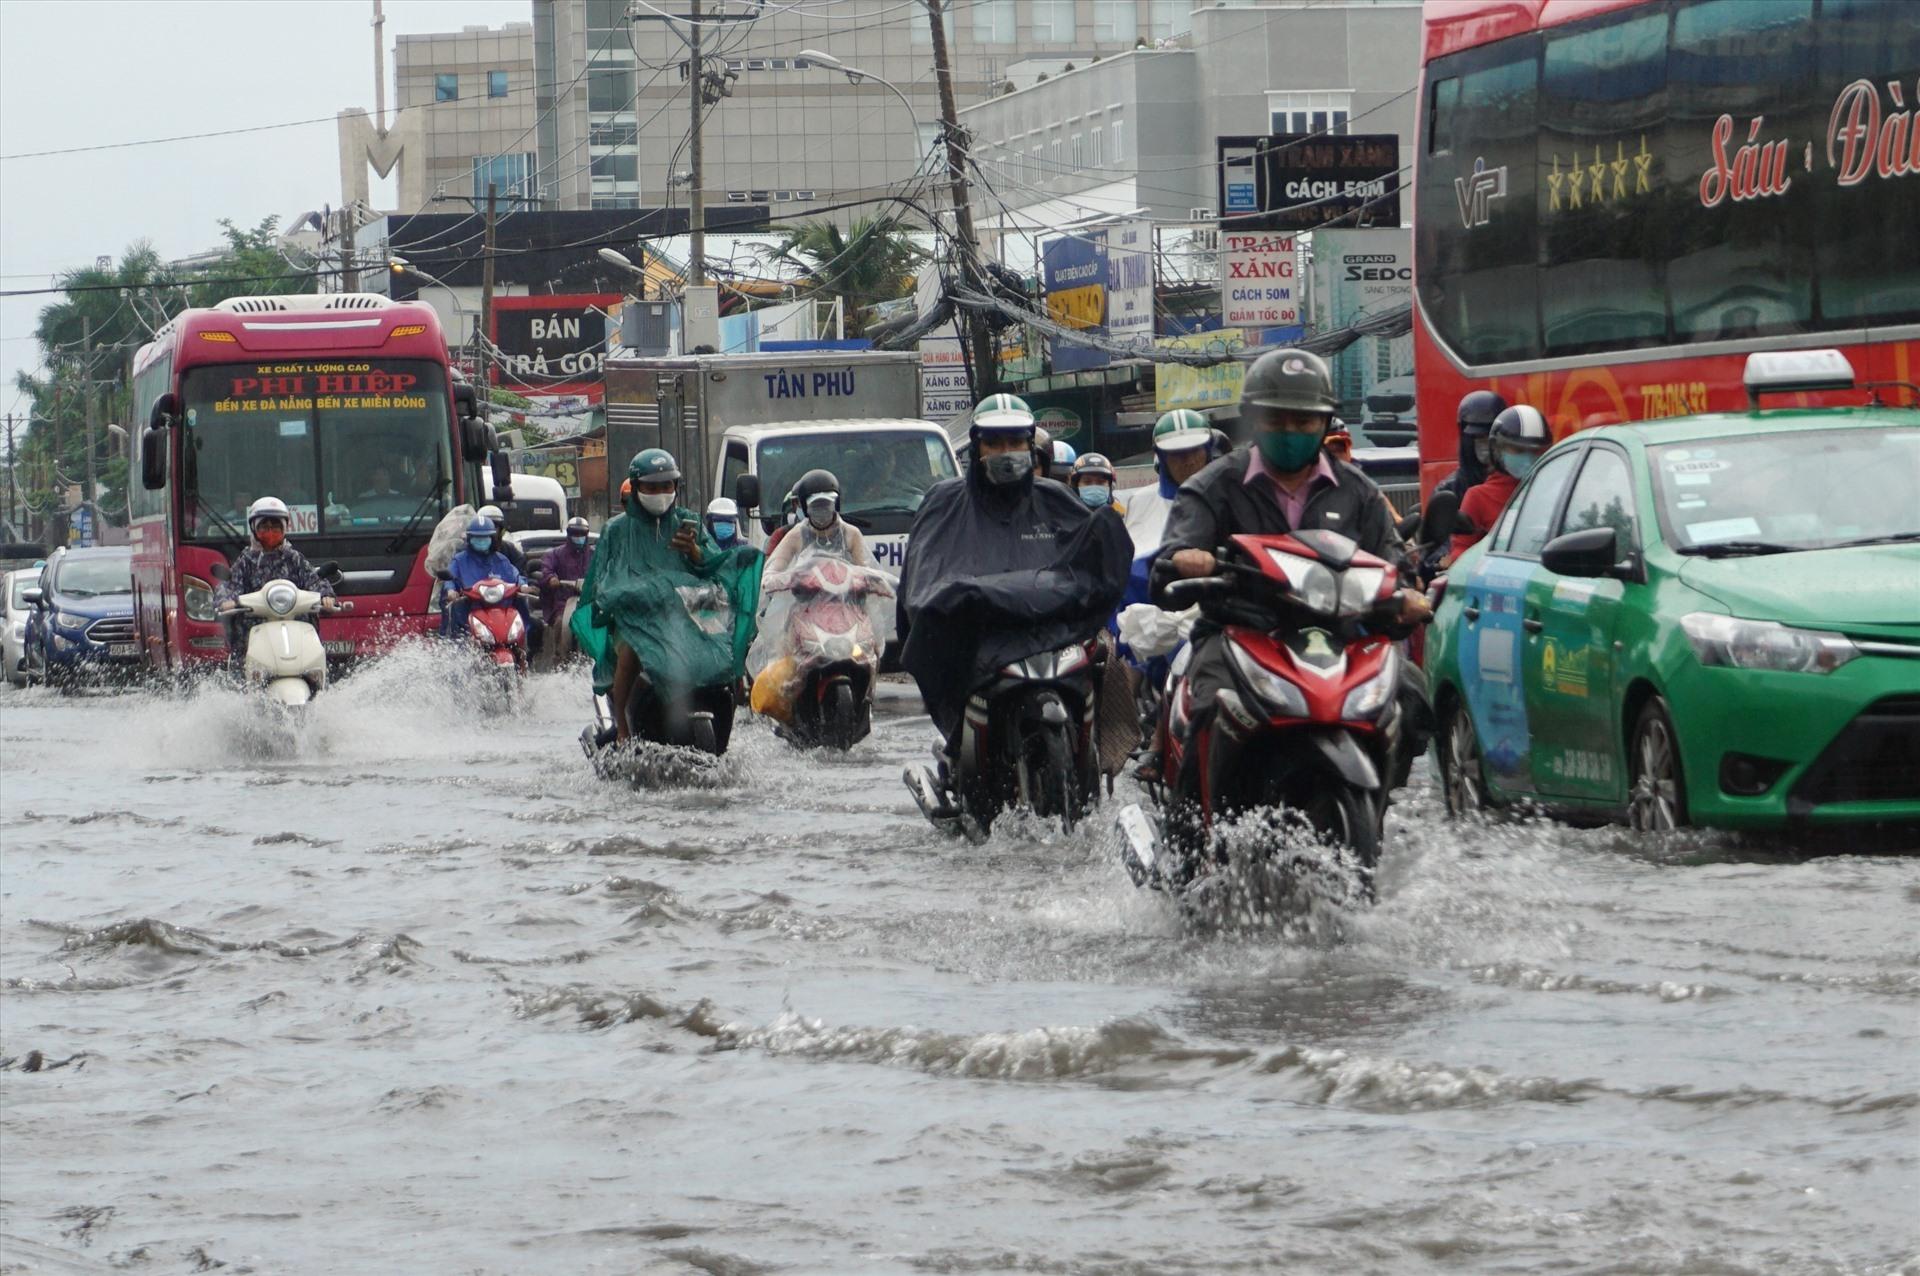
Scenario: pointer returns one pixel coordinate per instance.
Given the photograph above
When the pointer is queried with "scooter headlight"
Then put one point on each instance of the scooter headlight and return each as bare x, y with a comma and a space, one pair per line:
1359, 587
1317, 588
838, 647
281, 597
516, 631
478, 628
1366, 701
493, 593
1274, 693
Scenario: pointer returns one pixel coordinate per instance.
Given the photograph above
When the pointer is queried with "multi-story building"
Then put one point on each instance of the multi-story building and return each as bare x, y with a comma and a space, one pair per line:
471, 92
612, 97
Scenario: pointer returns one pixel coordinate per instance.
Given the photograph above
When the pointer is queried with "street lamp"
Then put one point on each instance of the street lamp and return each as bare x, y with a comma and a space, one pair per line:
854, 75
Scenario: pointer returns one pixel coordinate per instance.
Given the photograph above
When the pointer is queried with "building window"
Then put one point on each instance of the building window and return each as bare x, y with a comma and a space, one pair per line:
1052, 21
616, 201
509, 175
496, 84
621, 168
1170, 18
446, 87
611, 134
609, 89
1113, 22
994, 22
1076, 153
1095, 159
1119, 130
1308, 112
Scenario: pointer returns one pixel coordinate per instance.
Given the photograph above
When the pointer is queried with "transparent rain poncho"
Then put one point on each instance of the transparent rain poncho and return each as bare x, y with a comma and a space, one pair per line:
822, 609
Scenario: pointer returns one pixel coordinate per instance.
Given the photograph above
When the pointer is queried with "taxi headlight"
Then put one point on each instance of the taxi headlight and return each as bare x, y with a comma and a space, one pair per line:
1730, 642
281, 597
1273, 692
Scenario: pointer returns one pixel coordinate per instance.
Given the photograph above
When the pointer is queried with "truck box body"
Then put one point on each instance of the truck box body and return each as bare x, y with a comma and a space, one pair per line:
686, 403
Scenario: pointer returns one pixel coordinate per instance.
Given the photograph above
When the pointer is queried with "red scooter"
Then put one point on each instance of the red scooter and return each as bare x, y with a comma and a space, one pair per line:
836, 651
496, 626
1308, 724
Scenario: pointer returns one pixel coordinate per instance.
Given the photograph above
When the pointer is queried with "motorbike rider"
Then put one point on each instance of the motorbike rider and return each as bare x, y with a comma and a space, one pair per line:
1518, 437
1475, 417
482, 559
1284, 482
514, 554
564, 569
821, 529
650, 601
1063, 458
1092, 479
269, 558
723, 522
1000, 566
1042, 452
1183, 443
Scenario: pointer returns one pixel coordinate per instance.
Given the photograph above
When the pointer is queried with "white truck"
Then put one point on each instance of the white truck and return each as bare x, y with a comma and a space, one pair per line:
748, 426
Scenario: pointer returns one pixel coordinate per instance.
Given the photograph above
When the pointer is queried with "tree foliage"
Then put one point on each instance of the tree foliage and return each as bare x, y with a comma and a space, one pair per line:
872, 262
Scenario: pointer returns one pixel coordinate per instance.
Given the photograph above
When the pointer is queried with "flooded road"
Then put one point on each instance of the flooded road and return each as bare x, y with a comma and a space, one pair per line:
433, 999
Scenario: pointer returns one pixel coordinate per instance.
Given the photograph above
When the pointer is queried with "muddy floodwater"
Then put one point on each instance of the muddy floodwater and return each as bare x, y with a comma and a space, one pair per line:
427, 997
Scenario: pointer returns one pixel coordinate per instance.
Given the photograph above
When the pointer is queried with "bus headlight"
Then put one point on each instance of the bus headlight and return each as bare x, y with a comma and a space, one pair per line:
197, 597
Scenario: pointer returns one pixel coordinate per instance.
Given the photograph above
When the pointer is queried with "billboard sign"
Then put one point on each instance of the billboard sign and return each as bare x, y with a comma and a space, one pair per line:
1130, 291
1178, 385
553, 345
945, 390
1074, 272
1300, 181
1259, 280
1357, 275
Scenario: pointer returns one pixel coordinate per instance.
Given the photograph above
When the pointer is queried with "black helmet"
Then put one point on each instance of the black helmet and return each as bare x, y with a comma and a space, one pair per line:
1477, 410
813, 485
1520, 429
1288, 381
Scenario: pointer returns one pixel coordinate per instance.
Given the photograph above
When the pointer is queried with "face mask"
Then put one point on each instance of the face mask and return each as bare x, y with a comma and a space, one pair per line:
481, 544
1288, 451
820, 514
656, 503
724, 530
1483, 451
270, 537
1518, 464
1007, 467
1094, 496
576, 540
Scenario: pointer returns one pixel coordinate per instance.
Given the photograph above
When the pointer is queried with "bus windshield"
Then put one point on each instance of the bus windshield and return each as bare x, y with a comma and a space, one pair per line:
878, 473
350, 446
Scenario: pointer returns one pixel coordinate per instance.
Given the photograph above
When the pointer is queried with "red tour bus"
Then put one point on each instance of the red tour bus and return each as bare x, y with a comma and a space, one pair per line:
1617, 200
344, 407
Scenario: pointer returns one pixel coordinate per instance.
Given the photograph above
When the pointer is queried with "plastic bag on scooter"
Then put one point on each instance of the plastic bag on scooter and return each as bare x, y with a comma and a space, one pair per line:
449, 538
1149, 631
822, 610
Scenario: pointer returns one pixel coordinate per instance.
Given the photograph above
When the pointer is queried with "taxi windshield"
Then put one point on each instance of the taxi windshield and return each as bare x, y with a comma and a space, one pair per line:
1772, 493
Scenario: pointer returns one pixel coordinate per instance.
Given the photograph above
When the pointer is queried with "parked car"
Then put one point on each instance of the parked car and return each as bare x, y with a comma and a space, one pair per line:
1712, 620
83, 622
14, 610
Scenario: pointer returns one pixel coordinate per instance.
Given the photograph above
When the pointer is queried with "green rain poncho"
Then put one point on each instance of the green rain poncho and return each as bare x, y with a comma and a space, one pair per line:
690, 626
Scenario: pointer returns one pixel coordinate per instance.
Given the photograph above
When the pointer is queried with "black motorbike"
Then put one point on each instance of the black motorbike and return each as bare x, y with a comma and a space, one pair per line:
1026, 740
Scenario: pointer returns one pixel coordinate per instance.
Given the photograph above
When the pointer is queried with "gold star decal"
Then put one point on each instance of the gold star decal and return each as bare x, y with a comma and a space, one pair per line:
1642, 164
1597, 174
1619, 167
1553, 185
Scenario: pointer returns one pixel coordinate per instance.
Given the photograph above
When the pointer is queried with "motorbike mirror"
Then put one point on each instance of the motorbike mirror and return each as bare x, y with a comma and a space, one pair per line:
1408, 526
329, 572
1438, 520
1185, 593
746, 492
219, 571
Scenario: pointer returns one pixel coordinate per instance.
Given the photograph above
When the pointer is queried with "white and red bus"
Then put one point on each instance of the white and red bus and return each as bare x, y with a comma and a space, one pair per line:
1617, 200
344, 407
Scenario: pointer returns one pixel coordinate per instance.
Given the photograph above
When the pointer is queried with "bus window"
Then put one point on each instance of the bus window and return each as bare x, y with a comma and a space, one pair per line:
1478, 227
1740, 267
1442, 100
1869, 272
1602, 139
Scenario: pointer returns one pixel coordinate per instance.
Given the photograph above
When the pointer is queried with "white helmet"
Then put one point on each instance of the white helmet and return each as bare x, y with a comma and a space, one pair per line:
267, 507
722, 507
493, 512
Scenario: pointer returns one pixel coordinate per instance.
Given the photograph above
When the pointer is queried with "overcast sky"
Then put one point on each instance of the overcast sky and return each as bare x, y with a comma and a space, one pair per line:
87, 72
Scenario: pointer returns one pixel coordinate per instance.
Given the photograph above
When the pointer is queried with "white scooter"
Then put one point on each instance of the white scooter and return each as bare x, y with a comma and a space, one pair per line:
285, 658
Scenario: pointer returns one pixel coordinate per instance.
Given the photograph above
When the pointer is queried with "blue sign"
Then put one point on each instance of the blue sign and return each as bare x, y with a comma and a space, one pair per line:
82, 522
1074, 272
1241, 197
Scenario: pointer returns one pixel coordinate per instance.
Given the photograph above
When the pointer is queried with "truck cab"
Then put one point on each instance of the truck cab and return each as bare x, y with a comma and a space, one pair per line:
885, 466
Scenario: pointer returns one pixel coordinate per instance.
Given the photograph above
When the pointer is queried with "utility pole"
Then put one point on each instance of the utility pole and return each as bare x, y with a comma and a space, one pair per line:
88, 498
979, 335
13, 484
696, 198
485, 360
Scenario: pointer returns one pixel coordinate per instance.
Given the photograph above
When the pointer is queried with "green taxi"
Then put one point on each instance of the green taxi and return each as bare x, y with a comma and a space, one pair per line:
1712, 620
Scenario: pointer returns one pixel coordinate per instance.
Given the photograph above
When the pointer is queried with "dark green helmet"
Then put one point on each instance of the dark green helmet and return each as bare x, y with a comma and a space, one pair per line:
653, 464
1288, 381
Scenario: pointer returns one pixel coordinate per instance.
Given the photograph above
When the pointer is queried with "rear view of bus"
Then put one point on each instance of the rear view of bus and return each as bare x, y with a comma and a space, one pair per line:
1617, 201
342, 406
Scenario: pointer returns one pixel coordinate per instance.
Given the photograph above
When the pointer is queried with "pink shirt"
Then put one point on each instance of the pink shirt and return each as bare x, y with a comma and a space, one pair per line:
1293, 504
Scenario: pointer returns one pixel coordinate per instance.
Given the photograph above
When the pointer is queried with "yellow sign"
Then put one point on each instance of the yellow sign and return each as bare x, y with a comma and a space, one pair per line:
1080, 308
1564, 669
1176, 385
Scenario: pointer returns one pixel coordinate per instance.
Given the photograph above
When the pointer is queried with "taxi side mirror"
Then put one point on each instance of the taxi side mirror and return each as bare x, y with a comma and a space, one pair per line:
1591, 552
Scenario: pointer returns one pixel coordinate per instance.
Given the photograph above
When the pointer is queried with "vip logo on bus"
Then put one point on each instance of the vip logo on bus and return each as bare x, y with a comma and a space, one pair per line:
1476, 194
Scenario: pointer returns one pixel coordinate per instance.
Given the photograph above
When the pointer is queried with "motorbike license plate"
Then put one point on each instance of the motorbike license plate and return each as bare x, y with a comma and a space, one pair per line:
122, 650
338, 646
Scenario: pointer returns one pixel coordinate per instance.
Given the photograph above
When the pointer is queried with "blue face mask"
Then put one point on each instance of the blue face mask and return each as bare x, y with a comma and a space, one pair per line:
577, 540
723, 530
1518, 464
481, 544
1094, 496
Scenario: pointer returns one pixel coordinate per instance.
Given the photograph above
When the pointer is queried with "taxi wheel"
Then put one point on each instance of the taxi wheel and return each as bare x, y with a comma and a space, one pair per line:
1657, 799
1462, 782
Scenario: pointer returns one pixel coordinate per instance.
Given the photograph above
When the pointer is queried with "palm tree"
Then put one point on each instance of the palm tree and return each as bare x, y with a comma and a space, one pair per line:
872, 262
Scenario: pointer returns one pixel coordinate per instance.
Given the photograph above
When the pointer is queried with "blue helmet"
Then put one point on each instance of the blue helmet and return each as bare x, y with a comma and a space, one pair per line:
480, 526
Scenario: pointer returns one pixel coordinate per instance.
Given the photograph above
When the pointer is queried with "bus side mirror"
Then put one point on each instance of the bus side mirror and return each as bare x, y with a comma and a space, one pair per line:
476, 438
502, 478
466, 400
153, 459
165, 409
746, 492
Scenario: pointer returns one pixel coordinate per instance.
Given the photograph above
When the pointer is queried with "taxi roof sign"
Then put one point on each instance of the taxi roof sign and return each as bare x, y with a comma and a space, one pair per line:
1787, 371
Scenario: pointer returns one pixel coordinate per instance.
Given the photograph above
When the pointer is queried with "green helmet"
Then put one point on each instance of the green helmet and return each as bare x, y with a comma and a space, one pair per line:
652, 464
1003, 412
1182, 430
1289, 381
